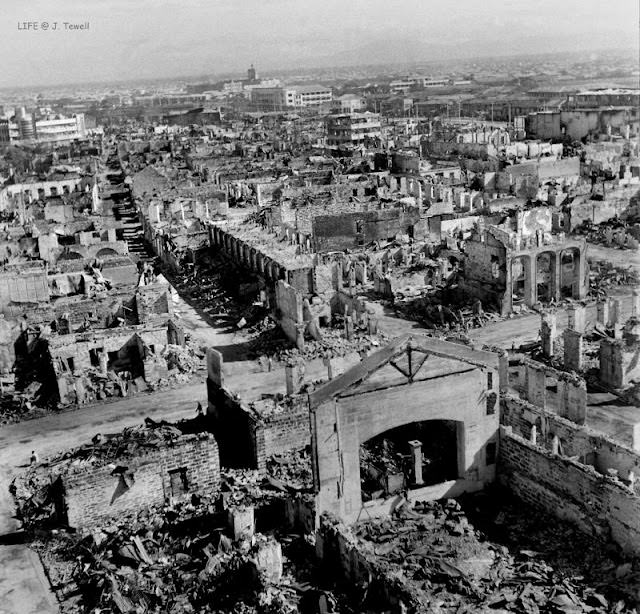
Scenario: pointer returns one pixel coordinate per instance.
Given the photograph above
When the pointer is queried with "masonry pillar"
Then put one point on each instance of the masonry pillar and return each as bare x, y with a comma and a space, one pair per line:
535, 385
557, 264
635, 303
215, 365
290, 379
416, 461
577, 318
615, 312
531, 282
548, 333
603, 312
573, 350
575, 400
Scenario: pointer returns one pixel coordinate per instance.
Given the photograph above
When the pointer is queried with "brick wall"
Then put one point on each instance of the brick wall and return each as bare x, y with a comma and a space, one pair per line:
598, 504
591, 447
247, 439
288, 430
93, 494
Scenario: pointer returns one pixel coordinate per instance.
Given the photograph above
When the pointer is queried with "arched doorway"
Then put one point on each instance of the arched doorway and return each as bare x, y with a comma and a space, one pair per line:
520, 279
545, 276
408, 457
569, 273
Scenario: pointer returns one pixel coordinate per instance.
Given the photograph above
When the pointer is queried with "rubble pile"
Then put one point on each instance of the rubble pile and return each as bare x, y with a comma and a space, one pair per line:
16, 406
271, 342
604, 275
176, 559
105, 449
291, 470
188, 359
437, 551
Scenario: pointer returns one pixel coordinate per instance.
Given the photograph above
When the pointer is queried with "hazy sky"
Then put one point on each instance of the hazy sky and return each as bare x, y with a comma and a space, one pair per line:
131, 39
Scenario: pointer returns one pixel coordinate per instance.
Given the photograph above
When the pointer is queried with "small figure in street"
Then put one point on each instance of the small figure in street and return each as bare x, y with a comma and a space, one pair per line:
270, 364
34, 458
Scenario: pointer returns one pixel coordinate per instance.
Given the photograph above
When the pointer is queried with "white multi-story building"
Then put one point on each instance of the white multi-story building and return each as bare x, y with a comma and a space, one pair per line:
61, 129
347, 130
312, 95
49, 129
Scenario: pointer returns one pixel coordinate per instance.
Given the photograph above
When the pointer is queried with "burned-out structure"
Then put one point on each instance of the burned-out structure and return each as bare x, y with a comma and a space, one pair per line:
523, 262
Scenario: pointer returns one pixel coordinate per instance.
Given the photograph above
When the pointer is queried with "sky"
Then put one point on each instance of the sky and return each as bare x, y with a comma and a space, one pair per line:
140, 39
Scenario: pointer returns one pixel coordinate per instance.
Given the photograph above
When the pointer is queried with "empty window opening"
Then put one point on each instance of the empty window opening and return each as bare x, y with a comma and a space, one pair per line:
179, 482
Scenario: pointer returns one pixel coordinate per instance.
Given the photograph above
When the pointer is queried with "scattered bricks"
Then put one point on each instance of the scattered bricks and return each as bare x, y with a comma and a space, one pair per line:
241, 523
267, 561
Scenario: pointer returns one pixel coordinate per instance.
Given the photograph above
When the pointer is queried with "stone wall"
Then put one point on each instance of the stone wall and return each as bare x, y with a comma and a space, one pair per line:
353, 230
289, 313
93, 495
591, 447
598, 504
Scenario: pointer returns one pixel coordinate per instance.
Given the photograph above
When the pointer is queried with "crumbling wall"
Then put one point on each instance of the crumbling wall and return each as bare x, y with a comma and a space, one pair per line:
28, 285
92, 495
341, 555
288, 430
591, 447
289, 313
353, 230
598, 504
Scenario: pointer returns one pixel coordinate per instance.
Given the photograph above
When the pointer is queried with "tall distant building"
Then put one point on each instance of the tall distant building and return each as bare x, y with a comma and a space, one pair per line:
252, 75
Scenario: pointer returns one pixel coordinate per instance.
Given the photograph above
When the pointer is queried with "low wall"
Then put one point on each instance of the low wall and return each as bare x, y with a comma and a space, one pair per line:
598, 504
95, 494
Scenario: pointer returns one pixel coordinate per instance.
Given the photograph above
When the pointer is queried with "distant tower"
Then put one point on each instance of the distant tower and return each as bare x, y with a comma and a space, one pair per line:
251, 73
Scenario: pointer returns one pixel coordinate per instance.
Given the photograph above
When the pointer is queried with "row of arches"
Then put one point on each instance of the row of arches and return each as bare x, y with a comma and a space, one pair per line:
547, 276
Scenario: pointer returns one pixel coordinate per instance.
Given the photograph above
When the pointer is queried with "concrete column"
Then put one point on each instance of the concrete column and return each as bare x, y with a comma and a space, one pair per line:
327, 363
536, 391
348, 328
603, 312
557, 264
581, 284
416, 461
548, 333
635, 303
215, 367
577, 315
615, 312
290, 379
575, 400
573, 350
531, 283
